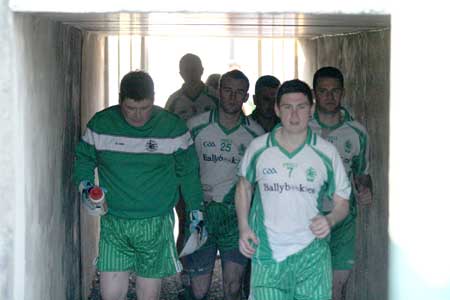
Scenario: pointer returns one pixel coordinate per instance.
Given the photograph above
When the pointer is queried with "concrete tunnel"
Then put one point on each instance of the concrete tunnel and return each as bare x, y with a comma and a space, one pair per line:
54, 78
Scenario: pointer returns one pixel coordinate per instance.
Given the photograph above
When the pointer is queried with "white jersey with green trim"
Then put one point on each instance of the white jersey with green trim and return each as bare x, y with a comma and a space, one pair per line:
219, 152
351, 140
185, 107
288, 191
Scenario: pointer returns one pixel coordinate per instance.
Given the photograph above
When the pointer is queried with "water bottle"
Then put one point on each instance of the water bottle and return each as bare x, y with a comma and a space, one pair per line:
97, 199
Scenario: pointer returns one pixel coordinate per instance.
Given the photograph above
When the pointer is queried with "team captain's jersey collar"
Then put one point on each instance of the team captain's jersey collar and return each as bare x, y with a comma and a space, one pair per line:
214, 118
345, 117
272, 141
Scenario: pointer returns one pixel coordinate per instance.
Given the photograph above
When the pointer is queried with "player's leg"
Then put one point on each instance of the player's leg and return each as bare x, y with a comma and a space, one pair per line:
233, 268
155, 254
342, 245
148, 288
312, 272
200, 266
114, 285
340, 279
115, 258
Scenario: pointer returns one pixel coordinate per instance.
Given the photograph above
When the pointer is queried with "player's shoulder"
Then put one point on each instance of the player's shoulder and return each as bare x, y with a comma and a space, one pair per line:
253, 126
199, 120
322, 145
259, 143
104, 118
357, 126
212, 93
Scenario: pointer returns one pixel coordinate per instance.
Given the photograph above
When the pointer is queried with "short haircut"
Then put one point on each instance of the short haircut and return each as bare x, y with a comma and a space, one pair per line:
328, 72
266, 81
294, 86
190, 58
235, 74
136, 85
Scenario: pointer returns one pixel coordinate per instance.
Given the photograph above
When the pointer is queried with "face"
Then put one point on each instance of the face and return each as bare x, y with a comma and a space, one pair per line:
136, 113
191, 71
265, 101
233, 93
294, 112
328, 94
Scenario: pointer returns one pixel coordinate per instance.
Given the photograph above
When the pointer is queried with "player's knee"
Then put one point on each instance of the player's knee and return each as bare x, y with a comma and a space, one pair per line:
113, 294
232, 287
198, 295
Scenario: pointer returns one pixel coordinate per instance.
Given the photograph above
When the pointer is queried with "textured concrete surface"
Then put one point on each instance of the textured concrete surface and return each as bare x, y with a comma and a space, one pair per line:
9, 130
92, 100
47, 65
364, 59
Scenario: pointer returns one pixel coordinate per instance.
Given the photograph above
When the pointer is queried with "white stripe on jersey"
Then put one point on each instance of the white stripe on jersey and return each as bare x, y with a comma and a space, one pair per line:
105, 142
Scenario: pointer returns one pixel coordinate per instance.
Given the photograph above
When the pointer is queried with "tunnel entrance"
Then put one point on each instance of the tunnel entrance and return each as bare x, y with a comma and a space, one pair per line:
81, 70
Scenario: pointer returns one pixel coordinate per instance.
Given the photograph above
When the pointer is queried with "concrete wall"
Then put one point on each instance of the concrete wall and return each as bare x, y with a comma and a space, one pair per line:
93, 99
364, 60
40, 77
9, 153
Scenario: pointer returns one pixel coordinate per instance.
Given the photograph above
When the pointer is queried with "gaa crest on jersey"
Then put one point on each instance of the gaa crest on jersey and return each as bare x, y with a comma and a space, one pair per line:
348, 146
151, 145
311, 174
290, 167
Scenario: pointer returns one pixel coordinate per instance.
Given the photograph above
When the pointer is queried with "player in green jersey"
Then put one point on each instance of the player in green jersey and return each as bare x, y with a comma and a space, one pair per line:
144, 156
335, 124
285, 173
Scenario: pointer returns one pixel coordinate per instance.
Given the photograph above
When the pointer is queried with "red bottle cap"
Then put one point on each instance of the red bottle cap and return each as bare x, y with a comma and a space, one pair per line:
96, 193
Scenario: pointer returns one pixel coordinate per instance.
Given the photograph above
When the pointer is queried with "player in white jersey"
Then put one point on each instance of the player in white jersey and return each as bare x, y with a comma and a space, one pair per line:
335, 124
221, 138
194, 97
289, 169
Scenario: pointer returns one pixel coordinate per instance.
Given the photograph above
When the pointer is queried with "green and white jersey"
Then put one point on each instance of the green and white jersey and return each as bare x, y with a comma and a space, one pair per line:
351, 140
219, 152
141, 167
288, 191
185, 107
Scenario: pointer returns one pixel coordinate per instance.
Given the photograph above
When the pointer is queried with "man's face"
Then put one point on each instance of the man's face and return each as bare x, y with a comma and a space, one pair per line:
136, 113
265, 101
233, 93
191, 71
328, 94
294, 112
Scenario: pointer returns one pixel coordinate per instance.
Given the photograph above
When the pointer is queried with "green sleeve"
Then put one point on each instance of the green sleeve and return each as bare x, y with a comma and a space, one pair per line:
187, 172
85, 162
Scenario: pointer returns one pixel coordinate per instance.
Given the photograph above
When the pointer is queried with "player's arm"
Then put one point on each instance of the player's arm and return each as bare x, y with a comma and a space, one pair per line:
243, 199
321, 225
361, 177
187, 172
85, 159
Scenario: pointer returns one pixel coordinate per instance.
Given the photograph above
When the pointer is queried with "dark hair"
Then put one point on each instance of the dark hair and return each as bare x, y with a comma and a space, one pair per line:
235, 74
328, 72
294, 86
136, 85
266, 81
189, 57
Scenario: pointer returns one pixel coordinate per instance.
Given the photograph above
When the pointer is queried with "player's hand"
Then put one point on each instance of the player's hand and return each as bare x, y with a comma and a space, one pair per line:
198, 224
84, 188
364, 196
246, 238
320, 226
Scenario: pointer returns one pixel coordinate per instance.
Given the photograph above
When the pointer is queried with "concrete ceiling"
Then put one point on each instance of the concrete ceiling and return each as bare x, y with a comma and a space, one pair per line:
271, 25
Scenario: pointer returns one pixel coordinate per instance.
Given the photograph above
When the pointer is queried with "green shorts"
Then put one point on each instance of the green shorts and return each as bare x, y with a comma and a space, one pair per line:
222, 226
342, 244
145, 246
305, 275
